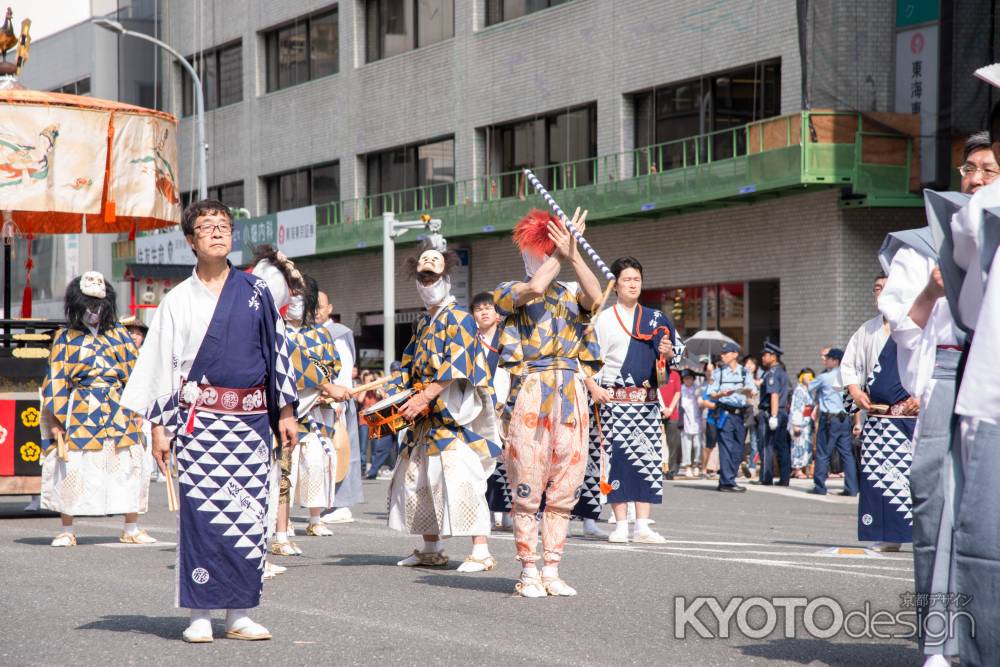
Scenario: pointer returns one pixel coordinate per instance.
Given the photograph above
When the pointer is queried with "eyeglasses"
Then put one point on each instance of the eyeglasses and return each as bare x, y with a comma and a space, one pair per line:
223, 228
969, 168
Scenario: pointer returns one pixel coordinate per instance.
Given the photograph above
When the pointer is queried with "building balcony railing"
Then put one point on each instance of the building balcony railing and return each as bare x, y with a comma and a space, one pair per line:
872, 157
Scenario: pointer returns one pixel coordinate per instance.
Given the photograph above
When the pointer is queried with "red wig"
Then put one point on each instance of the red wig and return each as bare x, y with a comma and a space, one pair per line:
531, 233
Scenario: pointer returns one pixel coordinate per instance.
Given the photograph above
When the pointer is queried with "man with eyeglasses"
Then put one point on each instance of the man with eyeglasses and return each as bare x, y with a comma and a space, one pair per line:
979, 165
215, 374
929, 346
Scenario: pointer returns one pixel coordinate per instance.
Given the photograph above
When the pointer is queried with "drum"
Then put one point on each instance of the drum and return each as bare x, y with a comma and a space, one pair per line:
384, 417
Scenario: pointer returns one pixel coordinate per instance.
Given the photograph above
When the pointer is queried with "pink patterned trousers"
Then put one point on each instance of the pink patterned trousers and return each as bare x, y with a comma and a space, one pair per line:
544, 455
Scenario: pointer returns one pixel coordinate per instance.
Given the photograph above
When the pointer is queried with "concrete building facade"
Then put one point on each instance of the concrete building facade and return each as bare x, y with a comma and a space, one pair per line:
816, 256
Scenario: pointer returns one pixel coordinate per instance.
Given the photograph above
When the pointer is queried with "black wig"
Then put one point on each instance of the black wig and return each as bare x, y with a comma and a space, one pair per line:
77, 303
310, 300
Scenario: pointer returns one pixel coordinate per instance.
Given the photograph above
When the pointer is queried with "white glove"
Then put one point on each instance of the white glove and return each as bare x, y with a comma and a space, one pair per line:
772, 423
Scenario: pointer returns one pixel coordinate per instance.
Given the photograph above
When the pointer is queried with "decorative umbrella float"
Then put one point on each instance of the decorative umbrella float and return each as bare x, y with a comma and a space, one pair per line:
68, 164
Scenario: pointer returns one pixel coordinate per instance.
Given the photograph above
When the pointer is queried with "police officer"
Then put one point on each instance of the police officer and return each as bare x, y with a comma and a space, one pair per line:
731, 385
834, 427
773, 416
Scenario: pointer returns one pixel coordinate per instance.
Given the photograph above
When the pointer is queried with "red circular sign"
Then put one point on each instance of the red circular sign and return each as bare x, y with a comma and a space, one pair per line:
281, 233
917, 43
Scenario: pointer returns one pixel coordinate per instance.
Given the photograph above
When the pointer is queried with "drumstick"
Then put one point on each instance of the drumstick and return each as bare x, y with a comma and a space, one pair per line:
62, 451
172, 505
360, 389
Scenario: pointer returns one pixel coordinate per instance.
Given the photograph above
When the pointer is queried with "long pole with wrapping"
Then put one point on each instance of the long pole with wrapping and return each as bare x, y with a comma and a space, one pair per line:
540, 189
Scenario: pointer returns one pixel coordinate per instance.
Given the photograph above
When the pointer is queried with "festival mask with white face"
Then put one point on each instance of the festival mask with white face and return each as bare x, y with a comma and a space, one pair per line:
431, 261
92, 284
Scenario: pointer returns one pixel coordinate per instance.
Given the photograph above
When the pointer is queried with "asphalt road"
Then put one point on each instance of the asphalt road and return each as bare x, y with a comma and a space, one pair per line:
345, 601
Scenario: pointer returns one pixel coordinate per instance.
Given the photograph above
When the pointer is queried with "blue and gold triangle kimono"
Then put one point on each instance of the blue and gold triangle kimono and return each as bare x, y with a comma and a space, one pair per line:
87, 373
445, 347
315, 361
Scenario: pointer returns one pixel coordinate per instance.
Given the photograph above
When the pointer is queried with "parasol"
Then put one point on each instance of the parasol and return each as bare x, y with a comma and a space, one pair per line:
71, 164
706, 341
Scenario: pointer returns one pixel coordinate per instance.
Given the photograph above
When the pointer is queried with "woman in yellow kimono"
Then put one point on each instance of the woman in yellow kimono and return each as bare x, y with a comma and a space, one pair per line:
95, 464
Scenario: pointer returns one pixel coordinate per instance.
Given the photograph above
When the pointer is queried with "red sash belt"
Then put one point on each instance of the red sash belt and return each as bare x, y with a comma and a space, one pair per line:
632, 394
223, 400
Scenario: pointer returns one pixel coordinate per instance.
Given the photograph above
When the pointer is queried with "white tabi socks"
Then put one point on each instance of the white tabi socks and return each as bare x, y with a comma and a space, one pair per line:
479, 561
200, 629
553, 584
620, 534
240, 626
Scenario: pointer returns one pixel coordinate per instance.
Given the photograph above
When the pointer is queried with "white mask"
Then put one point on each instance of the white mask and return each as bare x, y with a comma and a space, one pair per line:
92, 317
431, 260
434, 294
296, 308
532, 263
92, 284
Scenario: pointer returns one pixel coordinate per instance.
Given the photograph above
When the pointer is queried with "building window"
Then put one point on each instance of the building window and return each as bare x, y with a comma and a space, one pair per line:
302, 51
409, 167
701, 106
319, 184
398, 26
221, 74
230, 194
541, 143
505, 10
78, 87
